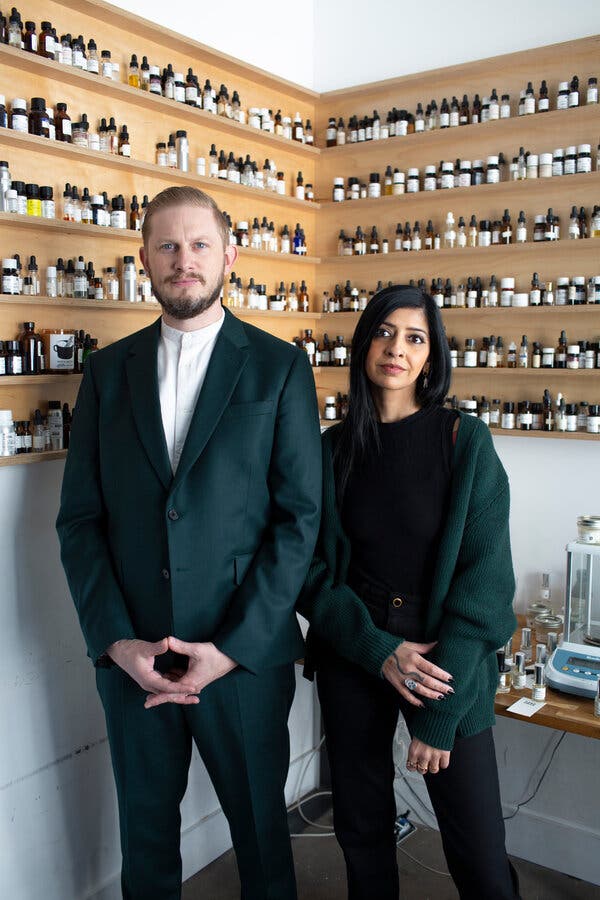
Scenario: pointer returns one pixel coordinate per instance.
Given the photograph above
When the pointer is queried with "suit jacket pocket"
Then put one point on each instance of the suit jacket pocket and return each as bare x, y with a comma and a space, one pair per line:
241, 564
256, 408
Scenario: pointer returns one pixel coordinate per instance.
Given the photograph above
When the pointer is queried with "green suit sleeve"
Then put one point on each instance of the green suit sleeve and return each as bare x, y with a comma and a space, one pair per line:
81, 527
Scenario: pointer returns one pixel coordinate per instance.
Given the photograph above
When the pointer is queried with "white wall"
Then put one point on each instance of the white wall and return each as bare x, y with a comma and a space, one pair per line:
357, 42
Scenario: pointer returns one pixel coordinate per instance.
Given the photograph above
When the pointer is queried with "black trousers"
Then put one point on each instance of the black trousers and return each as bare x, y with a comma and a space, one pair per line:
360, 714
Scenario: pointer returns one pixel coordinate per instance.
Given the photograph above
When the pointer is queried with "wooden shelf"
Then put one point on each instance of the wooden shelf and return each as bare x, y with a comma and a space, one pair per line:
151, 308
423, 204
563, 712
535, 133
182, 113
533, 254
23, 143
126, 235
25, 459
69, 378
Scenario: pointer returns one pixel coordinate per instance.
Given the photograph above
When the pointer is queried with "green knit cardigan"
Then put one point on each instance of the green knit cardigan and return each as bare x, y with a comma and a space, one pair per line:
470, 610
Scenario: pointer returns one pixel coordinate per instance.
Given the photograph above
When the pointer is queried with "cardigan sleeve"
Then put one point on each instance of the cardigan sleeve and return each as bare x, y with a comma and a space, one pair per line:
478, 615
336, 614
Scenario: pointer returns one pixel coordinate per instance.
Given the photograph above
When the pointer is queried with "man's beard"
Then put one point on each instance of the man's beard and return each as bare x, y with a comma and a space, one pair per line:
188, 307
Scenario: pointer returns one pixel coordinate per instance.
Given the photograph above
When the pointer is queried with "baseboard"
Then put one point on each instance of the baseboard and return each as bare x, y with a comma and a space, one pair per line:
536, 837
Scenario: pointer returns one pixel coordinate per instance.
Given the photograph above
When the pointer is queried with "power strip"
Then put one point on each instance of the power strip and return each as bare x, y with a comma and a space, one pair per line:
403, 827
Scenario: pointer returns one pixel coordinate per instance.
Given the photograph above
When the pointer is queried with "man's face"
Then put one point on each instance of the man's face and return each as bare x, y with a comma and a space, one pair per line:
186, 260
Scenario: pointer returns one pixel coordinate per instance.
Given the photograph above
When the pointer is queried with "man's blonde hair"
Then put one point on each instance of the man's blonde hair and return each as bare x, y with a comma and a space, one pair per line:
184, 196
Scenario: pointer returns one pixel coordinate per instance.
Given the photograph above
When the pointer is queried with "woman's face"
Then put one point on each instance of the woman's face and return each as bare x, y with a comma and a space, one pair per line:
399, 351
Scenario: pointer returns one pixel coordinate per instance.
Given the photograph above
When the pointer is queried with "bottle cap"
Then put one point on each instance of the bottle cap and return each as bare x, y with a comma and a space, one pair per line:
492, 160
329, 400
584, 148
507, 283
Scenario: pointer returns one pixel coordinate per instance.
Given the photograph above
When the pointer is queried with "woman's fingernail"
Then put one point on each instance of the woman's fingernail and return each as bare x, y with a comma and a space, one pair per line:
441, 697
450, 690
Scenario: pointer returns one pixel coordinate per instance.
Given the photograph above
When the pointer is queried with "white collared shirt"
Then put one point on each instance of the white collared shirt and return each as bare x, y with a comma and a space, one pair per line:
183, 358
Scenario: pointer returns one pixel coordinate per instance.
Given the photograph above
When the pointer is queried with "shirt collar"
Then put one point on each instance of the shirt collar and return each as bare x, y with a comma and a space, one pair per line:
197, 338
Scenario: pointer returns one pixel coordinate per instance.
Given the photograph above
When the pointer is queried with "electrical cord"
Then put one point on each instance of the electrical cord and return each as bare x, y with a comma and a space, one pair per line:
298, 804
422, 864
541, 779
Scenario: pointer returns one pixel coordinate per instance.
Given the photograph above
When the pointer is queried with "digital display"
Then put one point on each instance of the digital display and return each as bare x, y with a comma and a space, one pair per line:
590, 664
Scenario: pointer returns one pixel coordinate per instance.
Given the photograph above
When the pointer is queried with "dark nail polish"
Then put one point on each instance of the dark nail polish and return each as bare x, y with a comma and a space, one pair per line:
450, 690
441, 697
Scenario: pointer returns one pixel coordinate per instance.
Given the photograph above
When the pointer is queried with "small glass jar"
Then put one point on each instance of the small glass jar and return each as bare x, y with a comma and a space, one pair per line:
558, 162
532, 168
584, 159
508, 416
412, 182
398, 182
545, 167
588, 529
593, 419
536, 609
545, 623
430, 180
329, 412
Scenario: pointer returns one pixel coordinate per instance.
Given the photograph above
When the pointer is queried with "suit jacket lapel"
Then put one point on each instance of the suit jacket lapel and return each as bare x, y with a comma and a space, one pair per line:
224, 369
142, 377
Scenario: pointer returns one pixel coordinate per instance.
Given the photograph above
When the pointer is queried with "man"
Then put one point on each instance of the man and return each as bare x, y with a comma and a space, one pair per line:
189, 512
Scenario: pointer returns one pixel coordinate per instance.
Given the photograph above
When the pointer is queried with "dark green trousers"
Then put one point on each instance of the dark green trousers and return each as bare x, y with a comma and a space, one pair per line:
240, 729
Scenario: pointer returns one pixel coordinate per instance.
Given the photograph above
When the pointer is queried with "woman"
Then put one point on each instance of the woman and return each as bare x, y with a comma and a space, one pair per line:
408, 597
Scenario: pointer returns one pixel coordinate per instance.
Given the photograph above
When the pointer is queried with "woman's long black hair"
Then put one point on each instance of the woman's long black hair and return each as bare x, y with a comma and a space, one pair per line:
358, 433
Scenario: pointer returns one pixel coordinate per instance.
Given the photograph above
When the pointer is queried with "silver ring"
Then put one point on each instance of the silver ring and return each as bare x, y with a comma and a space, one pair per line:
410, 684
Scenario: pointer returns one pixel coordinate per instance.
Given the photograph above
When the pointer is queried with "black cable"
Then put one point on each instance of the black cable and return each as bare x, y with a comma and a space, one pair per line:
539, 784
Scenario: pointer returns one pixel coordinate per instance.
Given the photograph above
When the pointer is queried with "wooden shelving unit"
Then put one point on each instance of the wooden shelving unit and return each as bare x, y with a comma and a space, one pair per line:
151, 119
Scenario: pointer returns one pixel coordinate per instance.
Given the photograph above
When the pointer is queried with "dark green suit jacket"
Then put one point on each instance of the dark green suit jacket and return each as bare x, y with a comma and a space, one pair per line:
218, 552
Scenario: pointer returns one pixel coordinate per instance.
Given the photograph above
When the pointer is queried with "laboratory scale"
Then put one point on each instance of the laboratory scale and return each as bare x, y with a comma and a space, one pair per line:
574, 666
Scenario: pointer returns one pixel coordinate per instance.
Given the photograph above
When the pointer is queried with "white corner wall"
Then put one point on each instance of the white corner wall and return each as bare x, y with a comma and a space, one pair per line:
356, 43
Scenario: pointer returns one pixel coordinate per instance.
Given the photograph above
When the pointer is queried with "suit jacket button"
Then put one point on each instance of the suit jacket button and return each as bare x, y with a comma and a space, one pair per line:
166, 574
173, 515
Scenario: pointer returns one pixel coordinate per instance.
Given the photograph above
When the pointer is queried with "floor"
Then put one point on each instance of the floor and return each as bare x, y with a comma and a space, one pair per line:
320, 872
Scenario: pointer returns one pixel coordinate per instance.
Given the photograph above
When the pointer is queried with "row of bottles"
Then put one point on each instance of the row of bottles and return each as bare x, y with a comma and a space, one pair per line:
327, 352
574, 160
53, 350
38, 434
175, 153
263, 236
547, 414
491, 352
477, 233
73, 51
508, 415
55, 124
454, 113
77, 279
475, 292
255, 296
